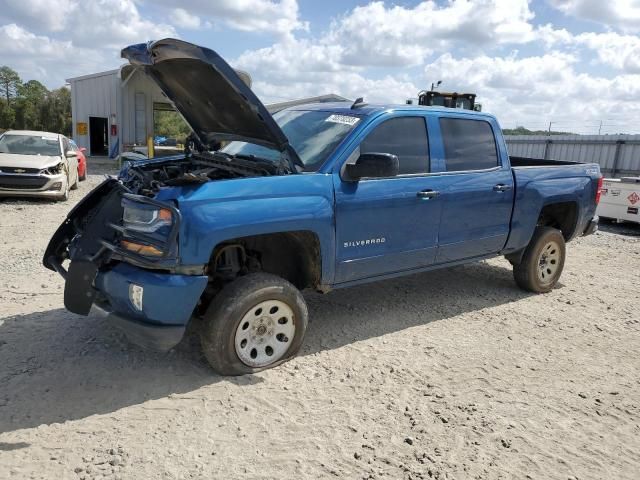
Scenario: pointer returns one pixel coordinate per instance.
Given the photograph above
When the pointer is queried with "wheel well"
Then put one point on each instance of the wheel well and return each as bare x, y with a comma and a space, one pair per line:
294, 256
563, 216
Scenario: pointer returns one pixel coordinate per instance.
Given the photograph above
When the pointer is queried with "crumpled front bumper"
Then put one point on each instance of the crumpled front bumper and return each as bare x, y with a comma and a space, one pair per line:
168, 300
101, 273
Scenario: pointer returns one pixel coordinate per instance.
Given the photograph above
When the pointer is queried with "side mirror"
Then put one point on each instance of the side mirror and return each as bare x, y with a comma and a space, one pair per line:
373, 165
70, 154
83, 149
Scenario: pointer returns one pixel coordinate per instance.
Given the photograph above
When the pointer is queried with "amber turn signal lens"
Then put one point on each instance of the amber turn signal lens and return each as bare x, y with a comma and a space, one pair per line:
165, 215
140, 249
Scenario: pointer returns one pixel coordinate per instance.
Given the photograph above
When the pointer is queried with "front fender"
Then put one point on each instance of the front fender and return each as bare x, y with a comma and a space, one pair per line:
224, 210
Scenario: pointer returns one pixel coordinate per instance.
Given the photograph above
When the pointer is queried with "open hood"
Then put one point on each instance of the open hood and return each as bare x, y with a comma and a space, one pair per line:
209, 94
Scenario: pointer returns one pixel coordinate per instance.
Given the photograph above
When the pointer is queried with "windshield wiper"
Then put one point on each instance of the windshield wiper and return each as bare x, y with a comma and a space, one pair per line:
277, 165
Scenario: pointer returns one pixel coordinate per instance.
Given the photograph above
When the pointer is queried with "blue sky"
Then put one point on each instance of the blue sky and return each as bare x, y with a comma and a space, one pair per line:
572, 62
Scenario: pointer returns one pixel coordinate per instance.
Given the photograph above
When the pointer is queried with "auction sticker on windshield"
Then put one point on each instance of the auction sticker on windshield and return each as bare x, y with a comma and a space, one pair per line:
344, 119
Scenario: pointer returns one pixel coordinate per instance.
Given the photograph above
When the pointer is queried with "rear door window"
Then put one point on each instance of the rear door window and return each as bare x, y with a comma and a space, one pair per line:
468, 144
405, 137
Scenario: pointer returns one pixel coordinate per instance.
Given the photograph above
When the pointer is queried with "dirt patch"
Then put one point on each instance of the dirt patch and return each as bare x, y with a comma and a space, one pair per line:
450, 374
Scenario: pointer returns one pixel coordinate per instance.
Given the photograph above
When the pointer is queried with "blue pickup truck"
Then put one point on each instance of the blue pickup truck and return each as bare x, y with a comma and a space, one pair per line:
317, 197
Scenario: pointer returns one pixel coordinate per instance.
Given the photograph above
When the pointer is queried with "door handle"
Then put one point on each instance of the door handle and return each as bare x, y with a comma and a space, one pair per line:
427, 194
501, 188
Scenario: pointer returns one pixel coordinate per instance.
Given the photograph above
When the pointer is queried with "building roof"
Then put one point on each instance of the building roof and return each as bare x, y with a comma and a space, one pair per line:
92, 75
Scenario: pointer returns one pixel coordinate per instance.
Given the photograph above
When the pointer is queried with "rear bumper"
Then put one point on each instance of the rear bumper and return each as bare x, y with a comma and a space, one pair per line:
592, 226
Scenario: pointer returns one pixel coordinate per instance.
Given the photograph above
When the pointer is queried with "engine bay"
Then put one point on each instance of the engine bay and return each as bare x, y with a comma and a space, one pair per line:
146, 178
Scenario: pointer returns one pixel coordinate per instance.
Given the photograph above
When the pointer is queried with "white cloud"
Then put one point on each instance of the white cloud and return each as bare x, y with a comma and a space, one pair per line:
398, 35
184, 19
16, 41
98, 24
618, 51
275, 16
532, 91
48, 15
617, 14
42, 58
113, 24
622, 52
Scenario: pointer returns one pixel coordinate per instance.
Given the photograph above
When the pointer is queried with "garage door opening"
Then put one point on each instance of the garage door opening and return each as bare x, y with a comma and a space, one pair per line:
169, 128
98, 136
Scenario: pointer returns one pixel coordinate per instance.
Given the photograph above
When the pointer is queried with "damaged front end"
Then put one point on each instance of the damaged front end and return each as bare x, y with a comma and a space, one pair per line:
121, 221
109, 225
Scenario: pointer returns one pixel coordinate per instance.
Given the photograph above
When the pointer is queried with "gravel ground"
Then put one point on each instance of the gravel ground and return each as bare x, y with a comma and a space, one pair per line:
450, 374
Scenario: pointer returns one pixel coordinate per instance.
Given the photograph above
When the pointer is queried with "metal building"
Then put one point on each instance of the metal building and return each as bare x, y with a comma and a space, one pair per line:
618, 155
113, 111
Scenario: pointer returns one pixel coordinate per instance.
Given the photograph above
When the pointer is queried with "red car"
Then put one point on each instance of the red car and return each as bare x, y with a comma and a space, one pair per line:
82, 160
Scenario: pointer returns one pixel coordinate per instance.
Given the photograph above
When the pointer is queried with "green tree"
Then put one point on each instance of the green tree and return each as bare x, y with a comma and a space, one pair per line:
30, 99
9, 83
7, 116
31, 106
170, 124
55, 111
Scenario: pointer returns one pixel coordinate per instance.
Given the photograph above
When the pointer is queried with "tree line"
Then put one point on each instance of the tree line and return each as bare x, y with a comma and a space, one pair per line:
31, 106
526, 131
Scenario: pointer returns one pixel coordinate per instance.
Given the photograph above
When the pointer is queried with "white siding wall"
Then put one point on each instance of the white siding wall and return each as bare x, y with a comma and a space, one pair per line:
102, 95
94, 96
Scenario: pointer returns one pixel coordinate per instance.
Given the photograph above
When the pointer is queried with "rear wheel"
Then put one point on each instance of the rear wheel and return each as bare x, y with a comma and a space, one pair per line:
256, 322
83, 177
542, 262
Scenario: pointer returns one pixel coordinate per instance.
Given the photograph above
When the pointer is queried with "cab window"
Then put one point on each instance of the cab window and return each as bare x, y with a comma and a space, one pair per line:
405, 137
468, 144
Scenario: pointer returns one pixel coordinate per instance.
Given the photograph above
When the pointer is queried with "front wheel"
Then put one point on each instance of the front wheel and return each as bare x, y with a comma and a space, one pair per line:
256, 322
542, 262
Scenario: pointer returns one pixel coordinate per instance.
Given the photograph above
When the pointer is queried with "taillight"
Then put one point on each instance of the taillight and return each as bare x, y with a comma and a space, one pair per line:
599, 190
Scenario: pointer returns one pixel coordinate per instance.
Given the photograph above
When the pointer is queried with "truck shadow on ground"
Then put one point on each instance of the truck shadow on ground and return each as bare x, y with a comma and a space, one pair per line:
56, 367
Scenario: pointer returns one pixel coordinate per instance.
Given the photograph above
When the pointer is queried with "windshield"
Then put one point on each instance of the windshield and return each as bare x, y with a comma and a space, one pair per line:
29, 145
312, 134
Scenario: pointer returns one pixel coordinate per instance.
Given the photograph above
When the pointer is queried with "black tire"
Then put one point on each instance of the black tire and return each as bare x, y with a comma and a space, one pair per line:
227, 310
83, 177
547, 245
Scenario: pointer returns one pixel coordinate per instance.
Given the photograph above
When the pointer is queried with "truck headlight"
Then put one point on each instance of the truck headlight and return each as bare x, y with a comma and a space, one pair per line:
145, 218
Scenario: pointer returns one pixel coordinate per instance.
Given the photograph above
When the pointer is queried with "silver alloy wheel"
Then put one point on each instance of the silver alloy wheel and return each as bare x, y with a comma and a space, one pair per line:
265, 333
549, 262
